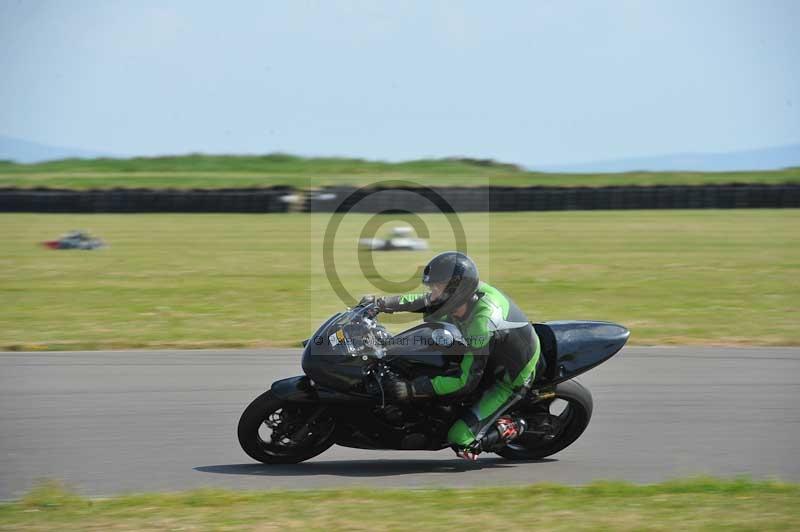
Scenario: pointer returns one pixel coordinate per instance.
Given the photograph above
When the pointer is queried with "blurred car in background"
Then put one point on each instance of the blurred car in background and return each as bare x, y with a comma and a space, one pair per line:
75, 240
399, 239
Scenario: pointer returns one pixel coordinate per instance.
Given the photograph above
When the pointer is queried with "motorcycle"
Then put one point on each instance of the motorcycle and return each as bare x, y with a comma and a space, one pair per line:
340, 398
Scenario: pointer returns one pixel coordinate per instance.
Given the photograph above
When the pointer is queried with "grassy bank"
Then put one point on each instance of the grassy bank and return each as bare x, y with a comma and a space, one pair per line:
173, 280
686, 505
207, 171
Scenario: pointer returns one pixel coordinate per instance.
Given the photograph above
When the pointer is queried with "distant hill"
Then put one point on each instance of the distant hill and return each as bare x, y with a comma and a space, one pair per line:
762, 159
239, 171
24, 151
55, 158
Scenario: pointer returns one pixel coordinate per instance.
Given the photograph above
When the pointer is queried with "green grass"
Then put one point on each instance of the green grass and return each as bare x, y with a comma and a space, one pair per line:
208, 171
699, 504
225, 280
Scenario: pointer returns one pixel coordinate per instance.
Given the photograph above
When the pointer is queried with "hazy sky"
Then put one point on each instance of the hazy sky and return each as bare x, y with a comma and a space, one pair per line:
537, 82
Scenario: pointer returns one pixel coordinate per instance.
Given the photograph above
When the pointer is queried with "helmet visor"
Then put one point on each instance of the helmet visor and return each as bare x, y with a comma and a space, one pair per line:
439, 292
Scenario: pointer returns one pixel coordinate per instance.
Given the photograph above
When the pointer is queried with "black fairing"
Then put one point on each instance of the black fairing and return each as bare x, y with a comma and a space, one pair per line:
296, 389
574, 347
330, 365
300, 390
415, 352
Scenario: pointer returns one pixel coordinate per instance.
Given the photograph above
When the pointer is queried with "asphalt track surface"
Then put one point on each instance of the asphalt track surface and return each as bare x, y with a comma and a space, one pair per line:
112, 422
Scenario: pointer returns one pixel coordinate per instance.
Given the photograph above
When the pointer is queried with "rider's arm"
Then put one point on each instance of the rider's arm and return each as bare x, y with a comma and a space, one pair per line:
472, 365
417, 302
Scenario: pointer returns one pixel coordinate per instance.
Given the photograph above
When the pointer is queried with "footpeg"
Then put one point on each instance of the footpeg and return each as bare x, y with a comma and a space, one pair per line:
543, 427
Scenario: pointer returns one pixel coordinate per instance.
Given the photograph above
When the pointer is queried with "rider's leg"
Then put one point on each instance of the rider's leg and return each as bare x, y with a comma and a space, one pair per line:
464, 431
491, 404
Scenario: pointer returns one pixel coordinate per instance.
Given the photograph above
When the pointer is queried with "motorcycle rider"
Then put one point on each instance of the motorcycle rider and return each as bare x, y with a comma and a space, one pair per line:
498, 334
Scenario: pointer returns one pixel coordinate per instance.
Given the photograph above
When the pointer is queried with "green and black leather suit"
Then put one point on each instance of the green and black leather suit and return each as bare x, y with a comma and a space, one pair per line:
500, 339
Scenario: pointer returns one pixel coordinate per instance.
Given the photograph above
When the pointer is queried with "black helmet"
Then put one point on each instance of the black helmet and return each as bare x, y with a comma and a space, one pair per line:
458, 272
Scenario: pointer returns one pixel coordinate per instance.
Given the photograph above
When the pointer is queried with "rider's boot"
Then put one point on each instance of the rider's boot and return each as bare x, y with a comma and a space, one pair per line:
506, 429
510, 428
467, 454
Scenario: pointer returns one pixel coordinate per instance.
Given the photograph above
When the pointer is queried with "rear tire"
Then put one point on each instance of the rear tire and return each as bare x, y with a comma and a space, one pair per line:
263, 411
574, 420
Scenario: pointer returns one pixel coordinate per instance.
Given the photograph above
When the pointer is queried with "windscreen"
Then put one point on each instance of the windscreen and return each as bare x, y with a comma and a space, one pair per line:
352, 333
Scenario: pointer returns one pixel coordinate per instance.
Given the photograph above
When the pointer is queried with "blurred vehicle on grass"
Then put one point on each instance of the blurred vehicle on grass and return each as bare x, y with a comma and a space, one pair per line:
75, 240
399, 239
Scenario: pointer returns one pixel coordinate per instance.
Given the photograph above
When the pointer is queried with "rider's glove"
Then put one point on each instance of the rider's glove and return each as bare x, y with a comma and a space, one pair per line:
401, 391
380, 303
367, 300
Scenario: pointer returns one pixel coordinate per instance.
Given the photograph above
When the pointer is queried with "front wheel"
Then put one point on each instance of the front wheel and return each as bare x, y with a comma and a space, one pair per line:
274, 431
553, 424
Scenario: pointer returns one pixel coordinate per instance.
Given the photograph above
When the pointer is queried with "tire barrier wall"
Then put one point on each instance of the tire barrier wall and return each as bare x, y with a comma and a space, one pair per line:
495, 199
259, 200
421, 200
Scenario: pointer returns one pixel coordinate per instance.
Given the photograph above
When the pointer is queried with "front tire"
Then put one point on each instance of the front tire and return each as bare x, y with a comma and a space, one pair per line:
570, 423
269, 426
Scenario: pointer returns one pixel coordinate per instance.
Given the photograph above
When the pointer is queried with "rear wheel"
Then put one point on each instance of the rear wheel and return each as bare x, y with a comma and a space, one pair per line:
553, 424
274, 431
